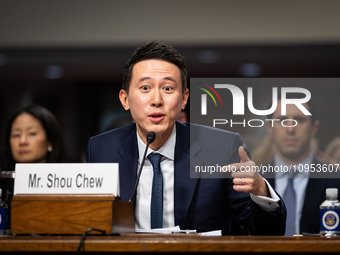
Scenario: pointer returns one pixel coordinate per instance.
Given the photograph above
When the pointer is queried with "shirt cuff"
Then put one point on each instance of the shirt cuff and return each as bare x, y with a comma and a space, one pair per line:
269, 204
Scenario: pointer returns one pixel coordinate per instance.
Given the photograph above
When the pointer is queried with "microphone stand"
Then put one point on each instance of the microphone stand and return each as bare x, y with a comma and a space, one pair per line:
149, 139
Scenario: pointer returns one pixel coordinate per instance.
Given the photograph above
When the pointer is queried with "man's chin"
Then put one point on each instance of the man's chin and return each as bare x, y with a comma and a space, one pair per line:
161, 128
292, 155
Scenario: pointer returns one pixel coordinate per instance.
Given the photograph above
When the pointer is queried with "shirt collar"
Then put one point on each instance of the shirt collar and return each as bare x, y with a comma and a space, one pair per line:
298, 168
167, 150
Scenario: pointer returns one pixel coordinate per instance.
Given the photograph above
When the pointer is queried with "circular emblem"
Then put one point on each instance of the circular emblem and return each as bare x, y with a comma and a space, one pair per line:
330, 220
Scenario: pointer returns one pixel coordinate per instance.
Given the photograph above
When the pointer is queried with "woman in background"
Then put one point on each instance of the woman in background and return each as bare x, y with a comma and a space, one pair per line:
32, 135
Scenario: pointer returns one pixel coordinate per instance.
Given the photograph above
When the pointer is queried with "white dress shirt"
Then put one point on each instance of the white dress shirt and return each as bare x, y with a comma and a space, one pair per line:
144, 189
299, 185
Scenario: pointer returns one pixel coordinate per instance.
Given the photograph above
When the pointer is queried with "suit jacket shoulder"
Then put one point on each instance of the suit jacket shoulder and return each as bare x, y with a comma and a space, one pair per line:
113, 144
117, 146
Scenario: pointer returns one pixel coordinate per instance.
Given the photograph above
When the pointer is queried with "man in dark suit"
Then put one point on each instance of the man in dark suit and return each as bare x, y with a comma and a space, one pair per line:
293, 151
154, 90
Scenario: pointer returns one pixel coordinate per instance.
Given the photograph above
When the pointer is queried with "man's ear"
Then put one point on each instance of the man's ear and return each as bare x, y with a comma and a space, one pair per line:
315, 127
123, 97
185, 99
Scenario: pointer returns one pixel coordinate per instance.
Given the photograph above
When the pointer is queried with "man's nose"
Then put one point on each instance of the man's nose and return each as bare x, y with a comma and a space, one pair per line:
157, 99
290, 127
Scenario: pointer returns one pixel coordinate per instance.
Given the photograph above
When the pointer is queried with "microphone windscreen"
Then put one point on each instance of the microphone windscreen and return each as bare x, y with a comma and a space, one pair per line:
150, 137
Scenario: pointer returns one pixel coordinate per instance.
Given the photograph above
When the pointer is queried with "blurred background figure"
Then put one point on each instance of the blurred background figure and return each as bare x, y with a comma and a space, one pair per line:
333, 149
332, 152
302, 190
183, 117
264, 153
32, 135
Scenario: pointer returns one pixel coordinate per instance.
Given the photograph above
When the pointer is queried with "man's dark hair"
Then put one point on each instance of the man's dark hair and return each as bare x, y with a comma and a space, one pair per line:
155, 50
311, 106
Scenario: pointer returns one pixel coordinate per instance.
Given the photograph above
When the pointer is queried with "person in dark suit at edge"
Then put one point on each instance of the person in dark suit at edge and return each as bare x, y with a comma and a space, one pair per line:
293, 148
155, 91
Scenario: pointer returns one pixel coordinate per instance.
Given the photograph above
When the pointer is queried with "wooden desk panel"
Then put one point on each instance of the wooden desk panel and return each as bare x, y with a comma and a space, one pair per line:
169, 243
70, 214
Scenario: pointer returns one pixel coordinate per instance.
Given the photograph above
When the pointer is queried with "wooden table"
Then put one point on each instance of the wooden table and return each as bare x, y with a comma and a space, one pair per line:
169, 243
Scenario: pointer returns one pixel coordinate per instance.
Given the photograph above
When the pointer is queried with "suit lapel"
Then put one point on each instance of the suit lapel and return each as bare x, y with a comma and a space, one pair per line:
128, 164
314, 192
184, 186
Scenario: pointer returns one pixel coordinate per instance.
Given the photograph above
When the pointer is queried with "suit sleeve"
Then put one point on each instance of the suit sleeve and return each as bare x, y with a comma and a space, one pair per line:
249, 214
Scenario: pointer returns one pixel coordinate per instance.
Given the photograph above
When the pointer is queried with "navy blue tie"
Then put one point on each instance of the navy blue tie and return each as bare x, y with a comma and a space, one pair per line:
157, 191
290, 201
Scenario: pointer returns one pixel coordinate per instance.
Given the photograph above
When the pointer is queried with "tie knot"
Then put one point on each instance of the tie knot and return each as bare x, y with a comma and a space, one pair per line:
292, 175
155, 160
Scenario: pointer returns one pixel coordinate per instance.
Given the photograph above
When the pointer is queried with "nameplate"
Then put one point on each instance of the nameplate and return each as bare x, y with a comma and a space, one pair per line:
78, 178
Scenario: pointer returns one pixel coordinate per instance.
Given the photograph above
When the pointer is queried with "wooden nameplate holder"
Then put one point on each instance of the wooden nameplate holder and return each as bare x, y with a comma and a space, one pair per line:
70, 214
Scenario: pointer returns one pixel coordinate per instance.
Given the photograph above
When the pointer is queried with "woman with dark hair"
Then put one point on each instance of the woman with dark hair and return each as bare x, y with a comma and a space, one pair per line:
32, 135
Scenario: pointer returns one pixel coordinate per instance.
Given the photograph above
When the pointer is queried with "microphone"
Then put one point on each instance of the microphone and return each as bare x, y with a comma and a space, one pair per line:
149, 139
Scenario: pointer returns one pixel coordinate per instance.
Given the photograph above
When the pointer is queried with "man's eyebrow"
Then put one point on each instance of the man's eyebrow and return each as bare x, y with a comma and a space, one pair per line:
144, 78
300, 117
170, 78
279, 116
